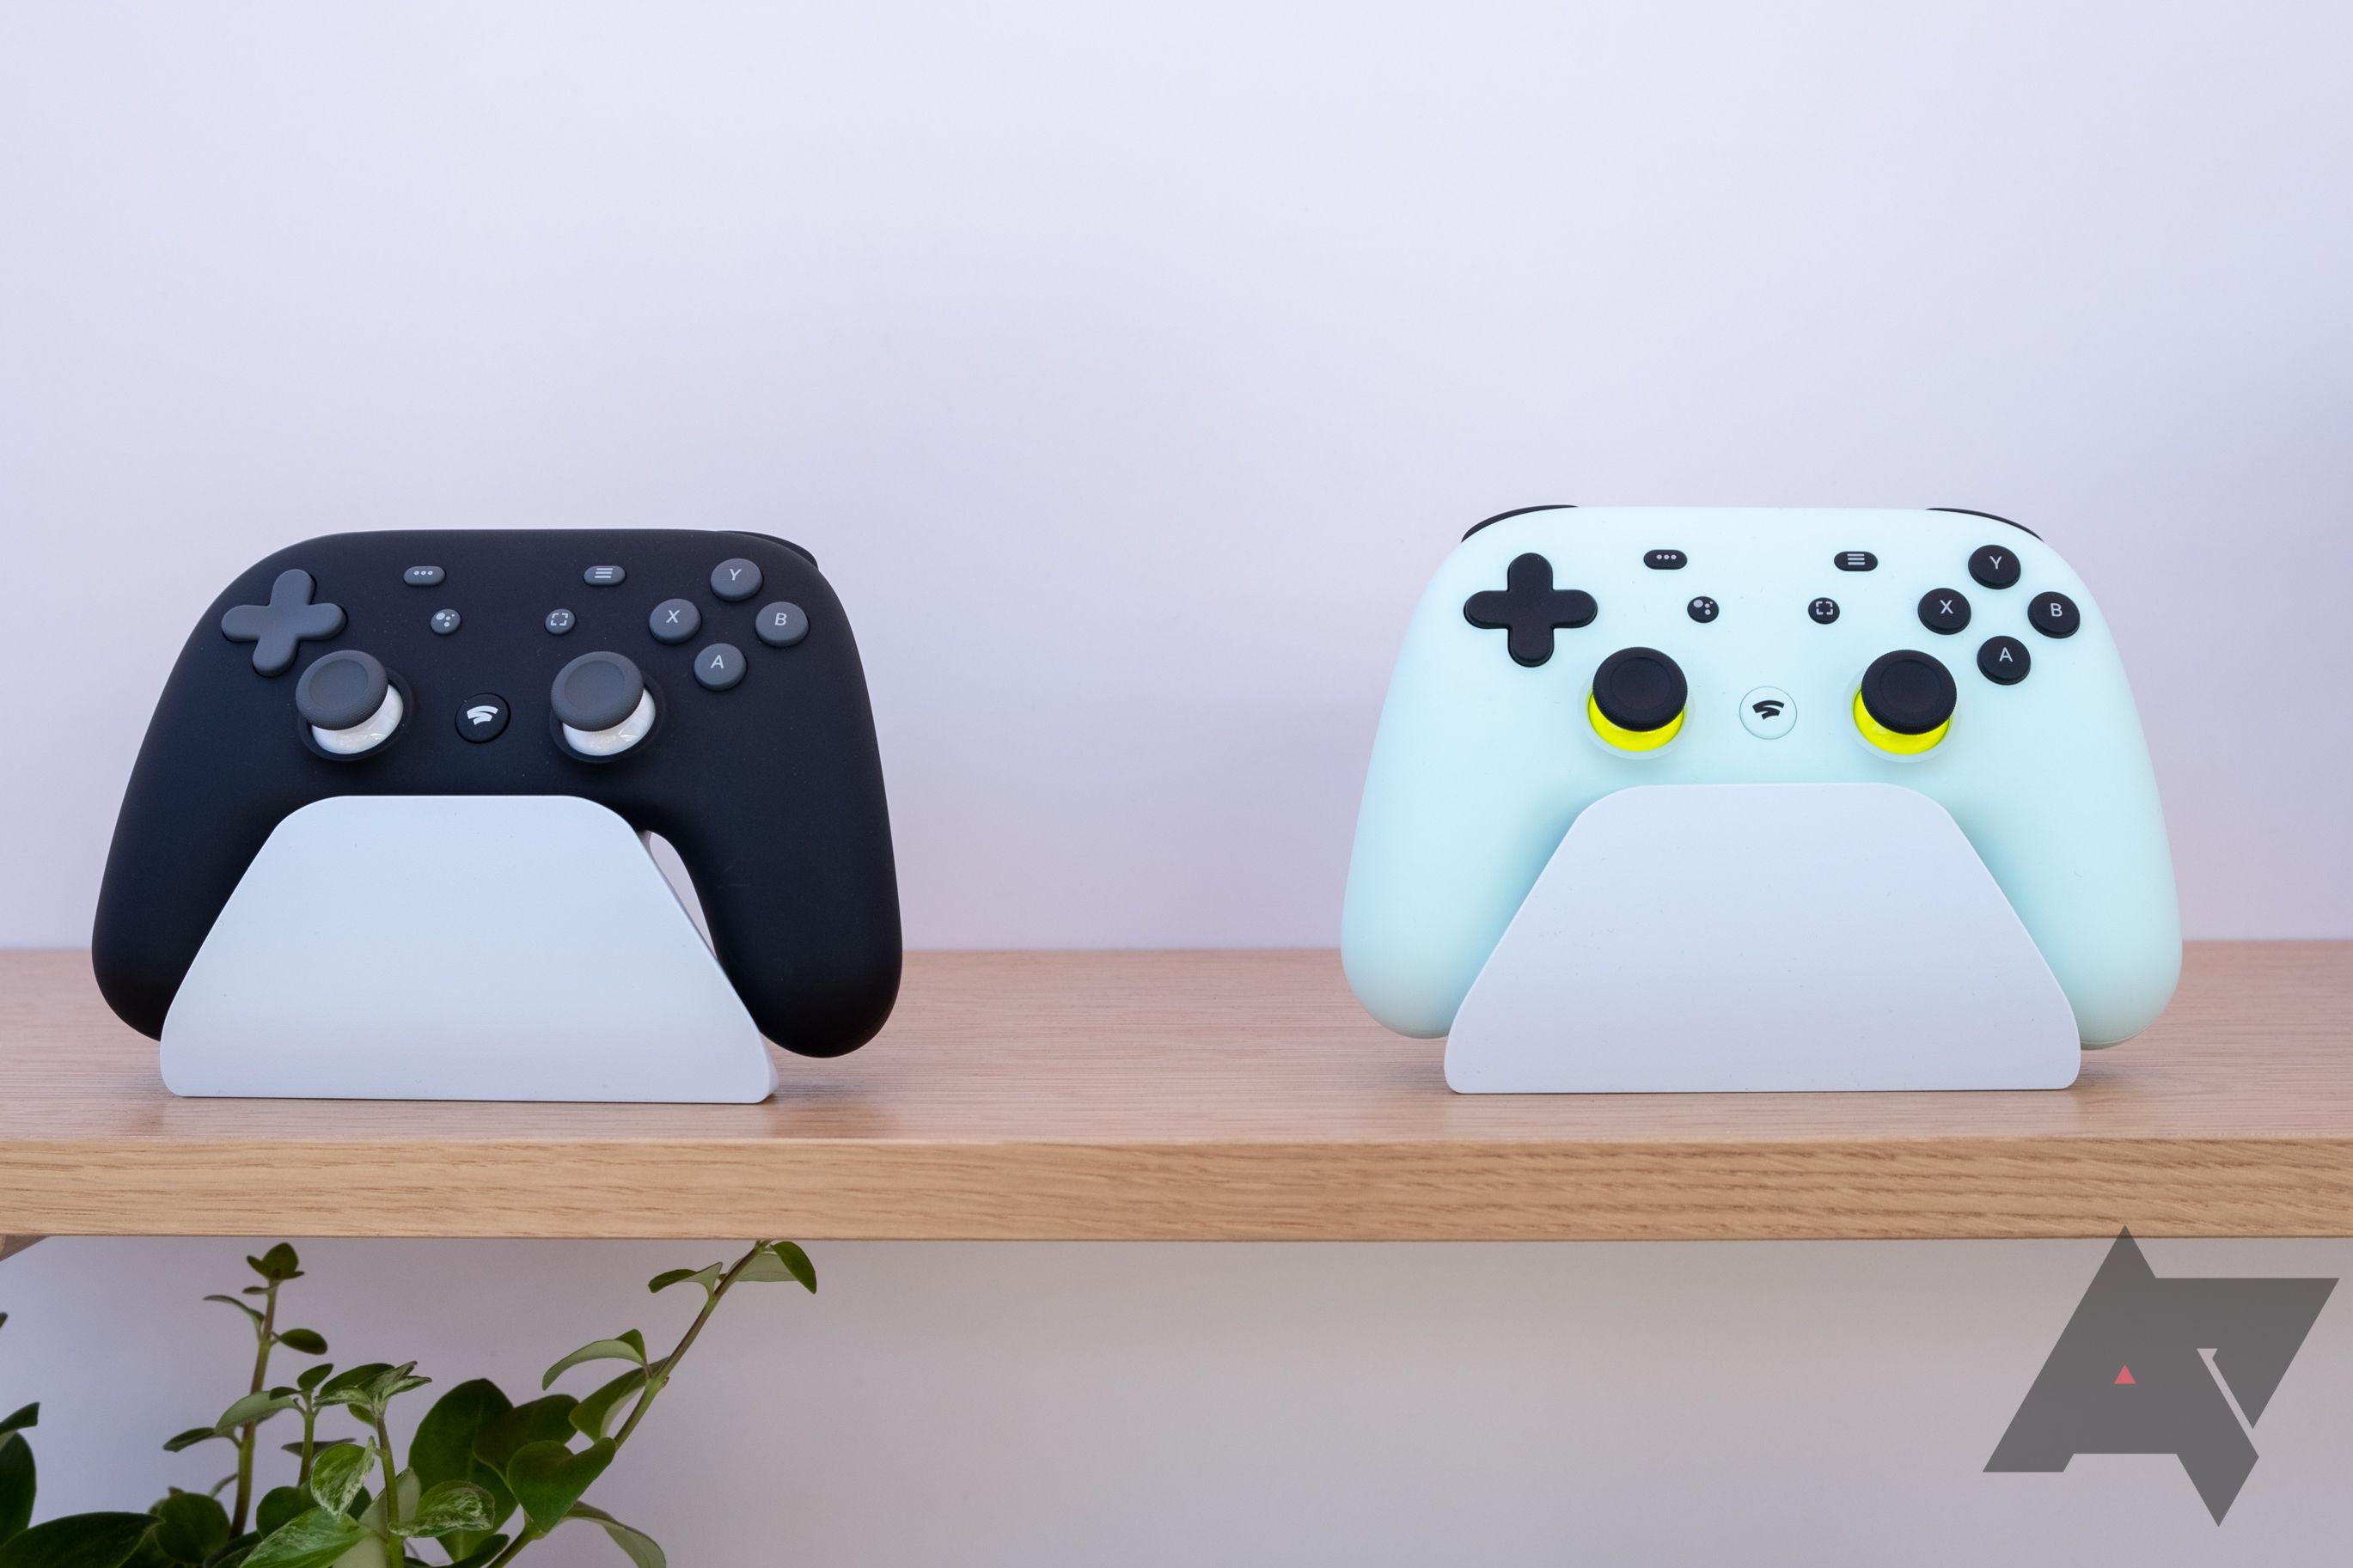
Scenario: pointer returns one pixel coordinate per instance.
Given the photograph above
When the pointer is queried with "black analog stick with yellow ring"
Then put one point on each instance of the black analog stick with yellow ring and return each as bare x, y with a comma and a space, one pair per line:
1905, 702
1637, 700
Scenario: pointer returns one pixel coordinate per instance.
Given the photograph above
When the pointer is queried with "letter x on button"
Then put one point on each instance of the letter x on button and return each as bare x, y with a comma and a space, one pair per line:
1528, 608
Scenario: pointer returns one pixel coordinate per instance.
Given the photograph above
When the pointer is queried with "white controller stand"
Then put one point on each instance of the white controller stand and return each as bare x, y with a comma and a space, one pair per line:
1763, 937
460, 947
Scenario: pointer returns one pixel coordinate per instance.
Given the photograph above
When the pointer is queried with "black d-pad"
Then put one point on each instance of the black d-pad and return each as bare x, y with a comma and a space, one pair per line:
1529, 608
289, 618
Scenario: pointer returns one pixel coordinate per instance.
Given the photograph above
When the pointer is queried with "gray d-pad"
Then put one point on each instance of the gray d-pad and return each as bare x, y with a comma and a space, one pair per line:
289, 618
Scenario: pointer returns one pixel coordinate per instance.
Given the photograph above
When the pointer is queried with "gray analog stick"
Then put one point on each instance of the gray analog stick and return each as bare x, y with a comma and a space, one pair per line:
339, 690
596, 692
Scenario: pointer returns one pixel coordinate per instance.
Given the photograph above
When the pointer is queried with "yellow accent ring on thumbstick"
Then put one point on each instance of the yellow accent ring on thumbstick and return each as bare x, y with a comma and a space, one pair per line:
1627, 740
1895, 741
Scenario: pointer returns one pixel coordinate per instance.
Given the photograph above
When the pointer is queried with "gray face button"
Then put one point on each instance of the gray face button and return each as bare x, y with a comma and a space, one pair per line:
422, 577
781, 624
341, 689
445, 621
597, 690
674, 620
289, 618
718, 666
560, 622
736, 579
604, 577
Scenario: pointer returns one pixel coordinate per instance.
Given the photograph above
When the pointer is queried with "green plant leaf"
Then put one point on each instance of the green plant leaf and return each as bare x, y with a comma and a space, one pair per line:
78, 1540
630, 1346
278, 1263
547, 1420
190, 1527
17, 1485
335, 1475
253, 1408
304, 1342
350, 1387
592, 1415
251, 1312
644, 1551
28, 1416
770, 1266
707, 1278
190, 1438
311, 1539
480, 1557
278, 1505
443, 1450
392, 1381
446, 1508
312, 1376
547, 1479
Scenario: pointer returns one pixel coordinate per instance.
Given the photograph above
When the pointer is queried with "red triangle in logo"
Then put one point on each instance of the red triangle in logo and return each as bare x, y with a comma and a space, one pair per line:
2124, 1374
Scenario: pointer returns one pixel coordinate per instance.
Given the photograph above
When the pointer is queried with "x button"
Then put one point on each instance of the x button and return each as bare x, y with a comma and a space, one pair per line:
1529, 608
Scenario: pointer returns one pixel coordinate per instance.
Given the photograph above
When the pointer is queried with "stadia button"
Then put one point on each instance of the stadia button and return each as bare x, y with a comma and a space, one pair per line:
483, 717
1768, 713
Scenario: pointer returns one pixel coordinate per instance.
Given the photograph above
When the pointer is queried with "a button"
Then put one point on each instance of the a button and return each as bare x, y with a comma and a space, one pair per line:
1527, 609
597, 690
1702, 609
737, 579
2004, 660
1824, 611
1944, 610
604, 577
718, 666
1637, 703
1994, 567
349, 702
484, 717
276, 627
423, 576
1905, 702
781, 624
561, 621
674, 620
1665, 560
2052, 615
1767, 713
445, 621
1855, 561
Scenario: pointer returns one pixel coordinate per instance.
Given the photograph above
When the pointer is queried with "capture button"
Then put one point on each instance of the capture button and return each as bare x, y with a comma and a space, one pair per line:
2052, 615
1944, 610
1637, 701
560, 622
1665, 560
604, 577
1905, 702
736, 579
781, 624
674, 620
422, 577
1824, 611
2004, 660
718, 666
1994, 567
1855, 561
484, 718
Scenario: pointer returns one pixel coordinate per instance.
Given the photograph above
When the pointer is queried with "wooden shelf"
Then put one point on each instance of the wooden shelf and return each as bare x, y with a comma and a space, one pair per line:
1198, 1095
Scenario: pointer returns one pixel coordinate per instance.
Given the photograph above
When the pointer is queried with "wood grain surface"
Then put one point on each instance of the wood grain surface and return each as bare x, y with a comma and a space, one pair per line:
1196, 1096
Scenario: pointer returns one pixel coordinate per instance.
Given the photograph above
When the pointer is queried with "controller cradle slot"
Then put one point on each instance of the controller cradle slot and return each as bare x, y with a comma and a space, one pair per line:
1763, 937
460, 947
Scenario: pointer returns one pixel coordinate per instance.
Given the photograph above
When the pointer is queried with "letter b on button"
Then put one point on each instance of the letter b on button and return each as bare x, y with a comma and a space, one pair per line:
781, 624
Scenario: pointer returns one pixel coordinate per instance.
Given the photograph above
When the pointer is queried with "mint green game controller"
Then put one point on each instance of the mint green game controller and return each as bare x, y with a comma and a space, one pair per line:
1563, 654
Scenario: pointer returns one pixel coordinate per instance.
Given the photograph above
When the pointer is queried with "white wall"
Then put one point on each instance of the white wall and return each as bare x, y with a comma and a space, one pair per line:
1130, 368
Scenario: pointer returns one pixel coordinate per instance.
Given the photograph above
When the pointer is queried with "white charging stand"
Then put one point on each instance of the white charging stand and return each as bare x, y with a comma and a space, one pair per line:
1696, 938
460, 947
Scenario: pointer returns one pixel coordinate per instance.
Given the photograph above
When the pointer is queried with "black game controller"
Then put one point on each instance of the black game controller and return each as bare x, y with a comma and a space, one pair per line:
702, 686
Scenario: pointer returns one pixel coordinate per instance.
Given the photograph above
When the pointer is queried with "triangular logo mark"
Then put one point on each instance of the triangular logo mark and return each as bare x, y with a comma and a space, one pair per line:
2124, 1374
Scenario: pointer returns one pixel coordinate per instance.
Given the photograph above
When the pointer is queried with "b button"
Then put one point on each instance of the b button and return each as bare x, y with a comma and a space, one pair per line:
781, 624
2053, 614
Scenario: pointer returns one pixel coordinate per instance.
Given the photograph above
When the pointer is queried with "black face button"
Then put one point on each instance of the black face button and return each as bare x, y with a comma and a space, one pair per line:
1855, 561
1909, 692
2052, 615
1824, 611
289, 618
1994, 567
343, 689
1665, 560
1944, 610
1639, 688
2004, 660
1702, 609
597, 690
1528, 608
484, 717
